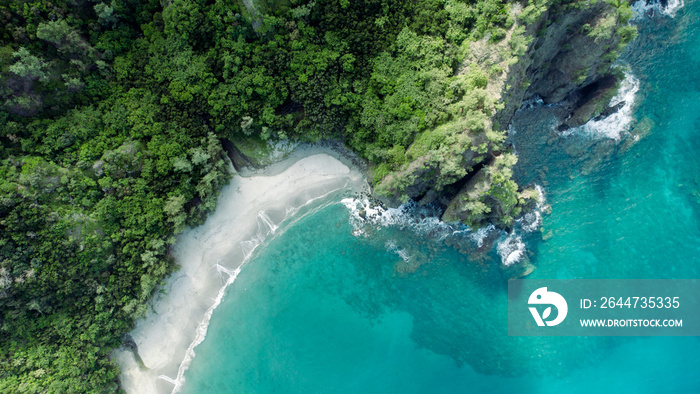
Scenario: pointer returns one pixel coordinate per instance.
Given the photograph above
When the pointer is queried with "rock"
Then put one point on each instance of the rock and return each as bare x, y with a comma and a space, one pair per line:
548, 235
640, 130
129, 344
566, 62
490, 196
461, 208
238, 159
98, 169
427, 178
526, 270
593, 101
600, 152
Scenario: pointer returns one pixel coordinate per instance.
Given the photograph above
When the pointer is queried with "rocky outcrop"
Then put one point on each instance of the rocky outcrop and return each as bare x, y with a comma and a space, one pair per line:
437, 176
569, 62
491, 196
563, 55
238, 159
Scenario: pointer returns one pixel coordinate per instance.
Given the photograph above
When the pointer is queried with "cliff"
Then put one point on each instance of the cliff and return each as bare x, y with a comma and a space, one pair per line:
562, 53
570, 58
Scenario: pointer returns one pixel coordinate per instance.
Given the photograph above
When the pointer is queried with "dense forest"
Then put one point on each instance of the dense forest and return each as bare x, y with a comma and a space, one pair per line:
113, 116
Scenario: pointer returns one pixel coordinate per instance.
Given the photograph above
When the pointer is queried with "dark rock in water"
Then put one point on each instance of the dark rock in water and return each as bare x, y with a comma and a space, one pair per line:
520, 270
640, 130
487, 244
592, 101
601, 151
610, 110
363, 213
568, 63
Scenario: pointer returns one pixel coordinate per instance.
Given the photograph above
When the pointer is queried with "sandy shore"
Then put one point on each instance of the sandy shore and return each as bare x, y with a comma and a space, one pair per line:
249, 210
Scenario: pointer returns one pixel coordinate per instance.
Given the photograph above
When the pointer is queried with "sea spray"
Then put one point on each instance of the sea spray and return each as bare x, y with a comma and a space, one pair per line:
643, 8
617, 124
511, 249
392, 248
480, 235
424, 222
531, 221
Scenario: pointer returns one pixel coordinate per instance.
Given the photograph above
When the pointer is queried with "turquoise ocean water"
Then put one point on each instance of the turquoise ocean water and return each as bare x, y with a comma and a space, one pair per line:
323, 309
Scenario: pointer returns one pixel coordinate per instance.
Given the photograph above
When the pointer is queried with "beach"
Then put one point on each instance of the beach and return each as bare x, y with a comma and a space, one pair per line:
250, 210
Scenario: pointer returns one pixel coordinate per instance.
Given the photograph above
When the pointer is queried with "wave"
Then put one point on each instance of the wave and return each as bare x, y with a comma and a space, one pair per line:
266, 228
617, 124
424, 221
530, 222
643, 8
511, 249
201, 331
480, 235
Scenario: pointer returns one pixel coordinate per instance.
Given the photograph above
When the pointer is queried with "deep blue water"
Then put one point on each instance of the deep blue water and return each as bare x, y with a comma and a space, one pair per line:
321, 309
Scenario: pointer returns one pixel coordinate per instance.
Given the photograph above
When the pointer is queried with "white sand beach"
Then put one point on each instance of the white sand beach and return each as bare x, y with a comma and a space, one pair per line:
249, 211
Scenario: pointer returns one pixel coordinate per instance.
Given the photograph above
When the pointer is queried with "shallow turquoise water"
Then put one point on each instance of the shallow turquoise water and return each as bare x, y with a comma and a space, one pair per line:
320, 310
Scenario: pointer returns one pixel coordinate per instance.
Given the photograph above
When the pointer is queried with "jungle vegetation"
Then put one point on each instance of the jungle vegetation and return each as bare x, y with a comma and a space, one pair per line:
112, 115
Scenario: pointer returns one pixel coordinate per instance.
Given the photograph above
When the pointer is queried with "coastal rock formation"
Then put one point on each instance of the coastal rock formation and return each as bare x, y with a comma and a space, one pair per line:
570, 60
491, 196
562, 54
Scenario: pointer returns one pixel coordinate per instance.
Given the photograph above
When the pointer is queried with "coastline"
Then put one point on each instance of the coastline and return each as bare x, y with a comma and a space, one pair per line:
249, 211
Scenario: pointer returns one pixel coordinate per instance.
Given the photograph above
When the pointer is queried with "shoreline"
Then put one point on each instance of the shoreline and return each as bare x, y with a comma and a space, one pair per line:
249, 211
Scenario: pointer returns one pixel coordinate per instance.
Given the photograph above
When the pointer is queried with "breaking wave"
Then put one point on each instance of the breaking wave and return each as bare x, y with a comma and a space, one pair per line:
424, 221
617, 124
511, 249
643, 8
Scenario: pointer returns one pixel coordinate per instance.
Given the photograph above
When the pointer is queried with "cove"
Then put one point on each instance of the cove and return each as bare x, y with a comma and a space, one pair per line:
324, 307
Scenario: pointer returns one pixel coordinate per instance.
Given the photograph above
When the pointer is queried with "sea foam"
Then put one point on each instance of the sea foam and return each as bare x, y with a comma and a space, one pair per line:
511, 249
617, 124
251, 210
642, 8
424, 221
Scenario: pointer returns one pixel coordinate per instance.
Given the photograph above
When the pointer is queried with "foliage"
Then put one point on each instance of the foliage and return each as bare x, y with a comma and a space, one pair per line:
112, 116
